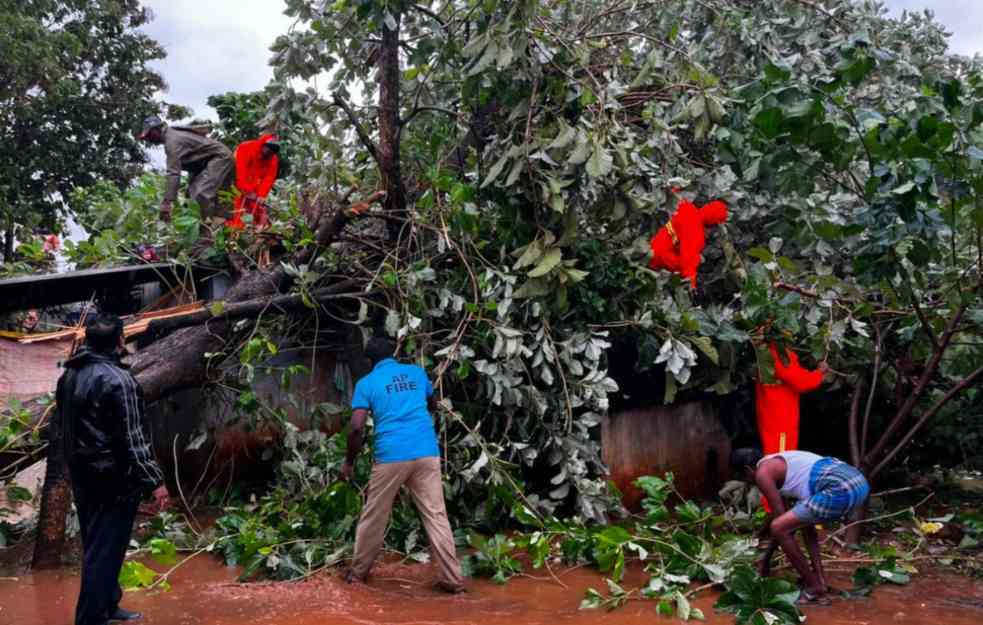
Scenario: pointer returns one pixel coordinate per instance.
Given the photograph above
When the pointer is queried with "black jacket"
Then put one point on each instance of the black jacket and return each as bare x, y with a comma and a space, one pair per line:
100, 411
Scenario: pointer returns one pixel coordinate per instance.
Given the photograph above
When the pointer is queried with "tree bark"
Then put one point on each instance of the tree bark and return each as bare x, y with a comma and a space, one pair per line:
8, 239
56, 499
389, 135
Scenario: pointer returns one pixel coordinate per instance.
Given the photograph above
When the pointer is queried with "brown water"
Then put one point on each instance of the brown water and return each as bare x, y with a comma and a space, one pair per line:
204, 593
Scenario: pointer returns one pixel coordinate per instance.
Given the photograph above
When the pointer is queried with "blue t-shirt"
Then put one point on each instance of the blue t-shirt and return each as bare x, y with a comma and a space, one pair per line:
397, 396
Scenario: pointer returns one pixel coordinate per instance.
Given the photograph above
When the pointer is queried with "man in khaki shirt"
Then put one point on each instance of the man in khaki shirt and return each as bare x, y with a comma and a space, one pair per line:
209, 163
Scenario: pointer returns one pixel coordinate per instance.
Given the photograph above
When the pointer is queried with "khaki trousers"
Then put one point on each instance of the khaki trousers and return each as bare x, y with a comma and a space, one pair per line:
422, 478
203, 188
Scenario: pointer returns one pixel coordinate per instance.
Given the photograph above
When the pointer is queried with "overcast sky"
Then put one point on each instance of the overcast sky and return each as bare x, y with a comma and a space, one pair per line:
214, 46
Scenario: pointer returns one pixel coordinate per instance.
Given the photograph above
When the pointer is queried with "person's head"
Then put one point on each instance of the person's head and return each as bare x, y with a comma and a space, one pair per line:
713, 213
269, 149
378, 349
104, 332
152, 130
744, 462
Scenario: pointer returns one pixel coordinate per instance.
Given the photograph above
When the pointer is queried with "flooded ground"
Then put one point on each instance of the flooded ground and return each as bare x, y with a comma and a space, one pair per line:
204, 593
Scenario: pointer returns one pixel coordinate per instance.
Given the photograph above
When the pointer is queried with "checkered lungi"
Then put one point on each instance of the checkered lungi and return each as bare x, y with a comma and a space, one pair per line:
837, 488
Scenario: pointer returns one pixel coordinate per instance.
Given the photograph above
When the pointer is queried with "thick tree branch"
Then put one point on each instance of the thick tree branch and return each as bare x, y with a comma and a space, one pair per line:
253, 308
430, 14
359, 129
972, 379
926, 326
855, 456
916, 393
421, 109
878, 355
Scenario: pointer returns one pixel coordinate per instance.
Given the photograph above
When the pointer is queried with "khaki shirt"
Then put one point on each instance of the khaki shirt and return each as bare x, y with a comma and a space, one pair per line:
189, 151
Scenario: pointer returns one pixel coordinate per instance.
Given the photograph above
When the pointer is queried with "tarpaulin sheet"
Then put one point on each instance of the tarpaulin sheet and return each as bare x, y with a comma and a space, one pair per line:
30, 370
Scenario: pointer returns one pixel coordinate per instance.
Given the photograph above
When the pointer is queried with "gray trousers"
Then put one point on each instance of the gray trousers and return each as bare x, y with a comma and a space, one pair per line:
204, 187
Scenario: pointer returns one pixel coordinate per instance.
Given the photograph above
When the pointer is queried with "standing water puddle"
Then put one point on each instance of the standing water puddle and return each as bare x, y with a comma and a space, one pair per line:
204, 593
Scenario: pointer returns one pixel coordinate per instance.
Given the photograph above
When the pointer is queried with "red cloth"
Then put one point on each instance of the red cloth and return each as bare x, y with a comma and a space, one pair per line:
689, 224
777, 405
254, 174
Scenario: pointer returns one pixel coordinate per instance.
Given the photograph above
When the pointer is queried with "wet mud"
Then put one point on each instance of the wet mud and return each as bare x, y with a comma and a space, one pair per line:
204, 593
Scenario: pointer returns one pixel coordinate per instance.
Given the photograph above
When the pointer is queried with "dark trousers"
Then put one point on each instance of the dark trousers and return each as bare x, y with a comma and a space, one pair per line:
106, 524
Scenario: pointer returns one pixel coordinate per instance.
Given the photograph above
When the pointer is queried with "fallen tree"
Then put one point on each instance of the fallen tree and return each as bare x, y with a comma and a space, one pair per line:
526, 153
177, 361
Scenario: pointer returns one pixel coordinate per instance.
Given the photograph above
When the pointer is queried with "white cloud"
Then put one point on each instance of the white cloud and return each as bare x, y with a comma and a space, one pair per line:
215, 46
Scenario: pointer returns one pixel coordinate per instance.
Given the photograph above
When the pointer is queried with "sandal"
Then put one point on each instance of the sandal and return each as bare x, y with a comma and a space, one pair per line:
809, 598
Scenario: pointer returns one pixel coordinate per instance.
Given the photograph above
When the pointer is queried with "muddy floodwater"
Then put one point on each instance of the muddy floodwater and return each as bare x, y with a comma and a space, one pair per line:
204, 592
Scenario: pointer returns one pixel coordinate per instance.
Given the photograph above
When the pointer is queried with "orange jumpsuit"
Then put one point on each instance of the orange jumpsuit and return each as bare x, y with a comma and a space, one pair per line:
777, 405
677, 246
254, 174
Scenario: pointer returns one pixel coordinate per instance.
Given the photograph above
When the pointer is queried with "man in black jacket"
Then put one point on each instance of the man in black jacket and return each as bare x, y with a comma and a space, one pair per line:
100, 407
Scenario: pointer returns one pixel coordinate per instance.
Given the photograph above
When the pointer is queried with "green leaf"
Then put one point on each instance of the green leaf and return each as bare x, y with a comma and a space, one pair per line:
535, 287
136, 575
705, 345
761, 253
18, 493
683, 609
163, 551
531, 254
600, 163
769, 122
581, 152
495, 171
550, 259
592, 600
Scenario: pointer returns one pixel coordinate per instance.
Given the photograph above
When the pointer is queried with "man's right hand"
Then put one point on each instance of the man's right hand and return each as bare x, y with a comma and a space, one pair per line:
165, 211
162, 498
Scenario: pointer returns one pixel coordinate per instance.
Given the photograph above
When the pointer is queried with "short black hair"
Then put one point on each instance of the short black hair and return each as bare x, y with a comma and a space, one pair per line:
102, 331
745, 457
379, 348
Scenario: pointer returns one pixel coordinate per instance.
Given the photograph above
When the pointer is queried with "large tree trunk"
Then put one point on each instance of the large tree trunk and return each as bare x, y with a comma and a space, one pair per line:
390, 176
56, 498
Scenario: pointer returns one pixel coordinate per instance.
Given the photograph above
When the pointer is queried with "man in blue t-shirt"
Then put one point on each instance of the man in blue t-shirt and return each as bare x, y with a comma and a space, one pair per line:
406, 453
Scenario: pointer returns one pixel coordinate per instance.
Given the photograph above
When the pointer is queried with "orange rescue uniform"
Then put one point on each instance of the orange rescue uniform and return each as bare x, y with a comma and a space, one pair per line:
777, 405
676, 247
254, 174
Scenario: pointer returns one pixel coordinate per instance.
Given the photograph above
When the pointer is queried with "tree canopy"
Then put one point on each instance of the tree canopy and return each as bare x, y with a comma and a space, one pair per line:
533, 146
75, 83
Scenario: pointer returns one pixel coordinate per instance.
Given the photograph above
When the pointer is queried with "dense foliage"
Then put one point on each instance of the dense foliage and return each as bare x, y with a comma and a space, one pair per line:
74, 81
537, 145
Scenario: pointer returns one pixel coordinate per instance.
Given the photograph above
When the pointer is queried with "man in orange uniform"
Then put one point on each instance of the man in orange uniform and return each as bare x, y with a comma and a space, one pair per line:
257, 164
777, 404
677, 245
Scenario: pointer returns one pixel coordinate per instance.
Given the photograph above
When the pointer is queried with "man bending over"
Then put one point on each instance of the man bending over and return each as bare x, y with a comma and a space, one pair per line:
825, 489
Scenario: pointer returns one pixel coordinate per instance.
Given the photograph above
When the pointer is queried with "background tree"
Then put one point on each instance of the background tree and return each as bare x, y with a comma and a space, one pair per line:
76, 82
